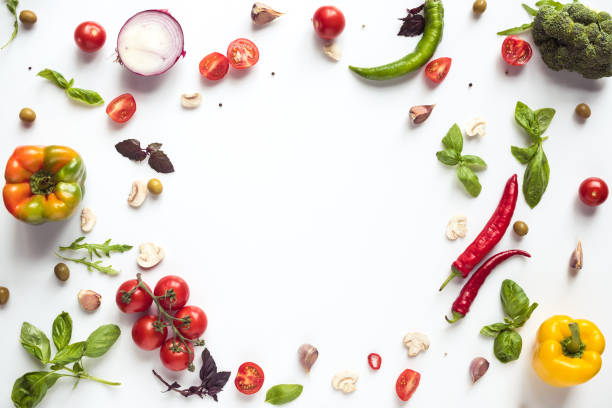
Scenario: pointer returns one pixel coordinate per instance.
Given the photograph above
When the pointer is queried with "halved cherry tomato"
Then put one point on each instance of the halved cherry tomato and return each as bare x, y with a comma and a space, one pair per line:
89, 36
374, 360
214, 66
148, 333
407, 384
242, 53
138, 301
121, 108
437, 69
516, 51
175, 291
175, 356
328, 22
593, 191
249, 379
197, 322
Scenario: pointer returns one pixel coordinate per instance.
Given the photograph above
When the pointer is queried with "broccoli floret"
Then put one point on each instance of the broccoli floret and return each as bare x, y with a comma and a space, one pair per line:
575, 38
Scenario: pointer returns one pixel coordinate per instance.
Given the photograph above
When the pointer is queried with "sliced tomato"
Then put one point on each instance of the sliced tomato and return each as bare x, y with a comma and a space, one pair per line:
214, 66
407, 384
122, 108
242, 53
516, 51
249, 379
437, 69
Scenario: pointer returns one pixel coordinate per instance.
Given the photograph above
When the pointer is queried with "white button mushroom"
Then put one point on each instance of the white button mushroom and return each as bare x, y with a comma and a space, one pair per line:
149, 255
416, 342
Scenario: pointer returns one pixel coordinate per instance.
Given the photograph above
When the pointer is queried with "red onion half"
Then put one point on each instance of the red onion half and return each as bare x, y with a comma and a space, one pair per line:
150, 42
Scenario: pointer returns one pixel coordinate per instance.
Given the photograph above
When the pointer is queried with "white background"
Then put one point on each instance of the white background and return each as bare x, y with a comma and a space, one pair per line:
307, 208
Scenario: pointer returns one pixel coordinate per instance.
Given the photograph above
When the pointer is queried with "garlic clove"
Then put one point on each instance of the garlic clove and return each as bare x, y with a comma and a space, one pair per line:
191, 100
88, 219
478, 368
333, 51
263, 14
89, 300
576, 258
420, 113
307, 355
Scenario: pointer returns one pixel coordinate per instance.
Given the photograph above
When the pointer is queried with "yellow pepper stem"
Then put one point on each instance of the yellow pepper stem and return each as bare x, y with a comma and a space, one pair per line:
573, 345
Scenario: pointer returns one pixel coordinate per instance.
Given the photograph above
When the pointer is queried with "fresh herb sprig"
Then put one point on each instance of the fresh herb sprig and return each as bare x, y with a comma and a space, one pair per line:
31, 388
414, 23
95, 249
83, 95
11, 5
97, 265
451, 156
212, 382
537, 172
532, 12
158, 160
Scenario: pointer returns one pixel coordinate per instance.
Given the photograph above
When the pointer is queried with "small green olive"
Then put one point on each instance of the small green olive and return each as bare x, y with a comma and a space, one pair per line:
520, 228
583, 110
28, 17
61, 271
479, 6
27, 115
4, 295
155, 186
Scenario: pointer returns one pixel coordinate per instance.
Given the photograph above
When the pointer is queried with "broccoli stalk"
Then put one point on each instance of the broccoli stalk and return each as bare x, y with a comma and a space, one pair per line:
571, 37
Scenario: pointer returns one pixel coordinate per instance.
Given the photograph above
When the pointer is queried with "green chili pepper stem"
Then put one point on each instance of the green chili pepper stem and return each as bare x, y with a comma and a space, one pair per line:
573, 346
452, 275
456, 316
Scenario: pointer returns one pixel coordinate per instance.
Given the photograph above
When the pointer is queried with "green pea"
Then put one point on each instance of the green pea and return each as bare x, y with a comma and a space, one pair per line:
62, 272
507, 346
4, 295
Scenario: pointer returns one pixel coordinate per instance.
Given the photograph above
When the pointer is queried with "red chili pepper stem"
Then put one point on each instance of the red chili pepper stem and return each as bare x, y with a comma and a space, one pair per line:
454, 273
456, 317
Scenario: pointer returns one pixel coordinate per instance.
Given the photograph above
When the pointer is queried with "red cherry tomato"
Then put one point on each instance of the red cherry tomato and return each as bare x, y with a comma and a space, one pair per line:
138, 301
214, 66
148, 333
437, 69
375, 361
407, 384
121, 108
249, 379
197, 322
328, 22
593, 191
175, 356
242, 53
516, 51
90, 36
175, 290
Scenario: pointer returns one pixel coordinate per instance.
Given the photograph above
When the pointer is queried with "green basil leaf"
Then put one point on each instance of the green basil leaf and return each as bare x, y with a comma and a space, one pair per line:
85, 95
507, 346
473, 162
530, 10
31, 388
526, 118
520, 321
516, 30
62, 330
536, 178
524, 154
70, 354
55, 77
544, 116
35, 342
454, 139
283, 393
493, 330
101, 340
77, 367
448, 157
514, 300
469, 179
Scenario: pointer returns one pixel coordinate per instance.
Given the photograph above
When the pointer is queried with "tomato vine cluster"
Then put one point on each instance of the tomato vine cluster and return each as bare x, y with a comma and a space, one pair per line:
186, 324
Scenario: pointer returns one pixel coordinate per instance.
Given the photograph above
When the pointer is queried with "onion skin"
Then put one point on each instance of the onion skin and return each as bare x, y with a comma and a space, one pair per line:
181, 37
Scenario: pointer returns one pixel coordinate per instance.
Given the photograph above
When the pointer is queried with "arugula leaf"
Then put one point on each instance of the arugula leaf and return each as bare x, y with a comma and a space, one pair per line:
536, 177
55, 77
448, 157
35, 342
523, 155
454, 139
473, 162
92, 265
85, 95
544, 116
31, 388
469, 179
516, 30
283, 393
11, 5
69, 354
95, 249
492, 330
101, 340
62, 331
530, 10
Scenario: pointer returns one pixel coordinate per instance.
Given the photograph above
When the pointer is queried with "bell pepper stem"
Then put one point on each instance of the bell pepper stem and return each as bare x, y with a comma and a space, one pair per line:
450, 278
456, 316
573, 346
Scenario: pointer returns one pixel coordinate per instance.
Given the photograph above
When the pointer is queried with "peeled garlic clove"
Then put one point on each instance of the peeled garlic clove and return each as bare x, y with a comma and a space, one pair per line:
420, 113
137, 194
478, 368
307, 355
333, 51
89, 300
88, 219
262, 14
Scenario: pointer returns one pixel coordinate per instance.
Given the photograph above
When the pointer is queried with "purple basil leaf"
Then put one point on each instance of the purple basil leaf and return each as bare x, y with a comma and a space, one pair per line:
214, 396
160, 162
413, 25
217, 381
175, 385
130, 148
208, 366
153, 147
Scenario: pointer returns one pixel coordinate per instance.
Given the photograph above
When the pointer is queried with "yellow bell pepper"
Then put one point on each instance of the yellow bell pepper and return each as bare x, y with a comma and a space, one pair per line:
568, 352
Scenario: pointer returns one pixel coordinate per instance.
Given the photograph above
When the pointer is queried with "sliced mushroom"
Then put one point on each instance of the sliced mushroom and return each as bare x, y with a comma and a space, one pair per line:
138, 194
191, 100
88, 219
345, 381
89, 300
149, 255
476, 127
456, 227
416, 343
333, 51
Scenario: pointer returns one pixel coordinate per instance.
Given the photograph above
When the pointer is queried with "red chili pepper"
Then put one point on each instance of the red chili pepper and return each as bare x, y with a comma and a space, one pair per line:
374, 360
490, 235
461, 306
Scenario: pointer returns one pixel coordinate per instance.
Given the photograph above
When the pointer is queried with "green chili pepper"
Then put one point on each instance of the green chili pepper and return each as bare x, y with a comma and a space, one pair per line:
434, 24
